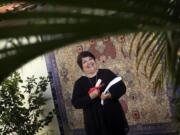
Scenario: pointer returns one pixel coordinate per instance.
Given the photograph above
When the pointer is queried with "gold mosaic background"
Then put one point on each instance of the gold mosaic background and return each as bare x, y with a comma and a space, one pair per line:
144, 106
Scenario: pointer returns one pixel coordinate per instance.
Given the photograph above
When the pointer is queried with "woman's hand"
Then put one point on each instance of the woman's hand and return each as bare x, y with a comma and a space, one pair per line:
94, 94
105, 96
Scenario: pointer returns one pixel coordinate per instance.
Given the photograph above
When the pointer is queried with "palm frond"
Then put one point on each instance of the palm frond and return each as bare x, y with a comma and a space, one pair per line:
157, 60
172, 56
76, 18
146, 47
154, 50
159, 50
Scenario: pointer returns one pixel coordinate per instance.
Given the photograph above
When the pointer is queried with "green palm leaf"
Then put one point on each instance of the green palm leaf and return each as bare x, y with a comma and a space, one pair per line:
88, 18
154, 50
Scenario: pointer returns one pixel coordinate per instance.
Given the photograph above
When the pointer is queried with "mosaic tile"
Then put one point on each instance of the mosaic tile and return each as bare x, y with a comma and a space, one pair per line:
143, 106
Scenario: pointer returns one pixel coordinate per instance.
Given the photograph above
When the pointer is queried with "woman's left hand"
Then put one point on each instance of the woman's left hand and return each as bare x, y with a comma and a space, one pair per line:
105, 96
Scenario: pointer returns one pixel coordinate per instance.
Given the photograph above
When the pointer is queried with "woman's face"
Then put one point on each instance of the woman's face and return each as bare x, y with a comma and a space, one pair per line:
89, 65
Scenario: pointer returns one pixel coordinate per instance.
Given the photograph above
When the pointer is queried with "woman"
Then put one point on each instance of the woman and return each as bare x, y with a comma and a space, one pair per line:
106, 119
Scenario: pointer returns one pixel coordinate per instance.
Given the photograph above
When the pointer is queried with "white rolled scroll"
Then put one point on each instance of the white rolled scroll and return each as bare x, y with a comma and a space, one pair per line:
111, 83
98, 82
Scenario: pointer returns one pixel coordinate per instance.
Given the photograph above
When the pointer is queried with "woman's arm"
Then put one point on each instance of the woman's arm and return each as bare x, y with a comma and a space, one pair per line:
81, 99
118, 89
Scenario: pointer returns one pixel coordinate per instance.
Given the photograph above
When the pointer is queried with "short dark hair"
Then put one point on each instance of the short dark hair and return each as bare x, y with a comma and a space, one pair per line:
83, 55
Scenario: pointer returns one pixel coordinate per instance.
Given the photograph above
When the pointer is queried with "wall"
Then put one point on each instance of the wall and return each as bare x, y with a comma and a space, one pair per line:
145, 106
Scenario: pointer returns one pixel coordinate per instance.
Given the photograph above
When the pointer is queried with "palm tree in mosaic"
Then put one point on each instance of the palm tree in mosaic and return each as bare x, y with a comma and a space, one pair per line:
57, 23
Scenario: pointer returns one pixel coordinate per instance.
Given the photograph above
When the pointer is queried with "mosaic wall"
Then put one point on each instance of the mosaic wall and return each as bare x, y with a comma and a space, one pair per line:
144, 106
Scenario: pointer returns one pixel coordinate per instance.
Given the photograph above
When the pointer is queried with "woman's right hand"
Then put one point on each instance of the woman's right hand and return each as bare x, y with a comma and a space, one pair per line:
94, 92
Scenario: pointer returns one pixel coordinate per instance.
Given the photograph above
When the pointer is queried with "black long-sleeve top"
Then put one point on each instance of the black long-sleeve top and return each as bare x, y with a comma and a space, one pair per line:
108, 119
